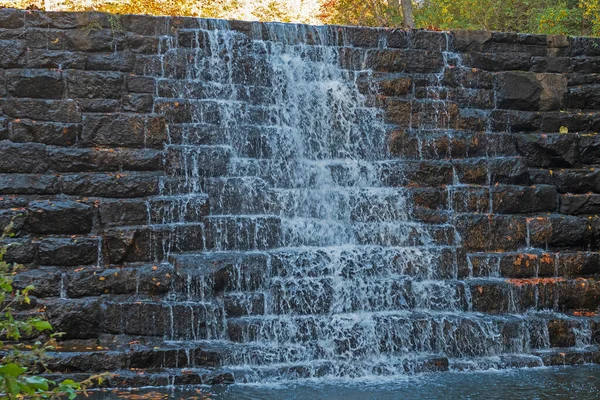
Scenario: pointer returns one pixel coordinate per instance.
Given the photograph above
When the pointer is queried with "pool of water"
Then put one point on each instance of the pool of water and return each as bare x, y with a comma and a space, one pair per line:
581, 382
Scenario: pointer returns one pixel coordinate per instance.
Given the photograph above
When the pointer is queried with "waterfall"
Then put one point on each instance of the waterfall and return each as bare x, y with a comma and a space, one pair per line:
309, 263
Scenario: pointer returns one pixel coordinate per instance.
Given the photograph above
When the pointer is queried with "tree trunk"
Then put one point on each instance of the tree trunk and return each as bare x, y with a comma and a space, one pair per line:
407, 13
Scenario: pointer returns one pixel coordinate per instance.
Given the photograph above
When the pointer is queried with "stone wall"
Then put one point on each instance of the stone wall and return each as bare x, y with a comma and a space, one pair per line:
497, 133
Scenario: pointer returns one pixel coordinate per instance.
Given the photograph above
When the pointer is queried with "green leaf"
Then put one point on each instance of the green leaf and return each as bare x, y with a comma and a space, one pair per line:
12, 370
37, 382
12, 386
41, 326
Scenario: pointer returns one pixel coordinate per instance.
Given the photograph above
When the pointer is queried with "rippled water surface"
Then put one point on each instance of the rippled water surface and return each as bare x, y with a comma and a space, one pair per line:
582, 382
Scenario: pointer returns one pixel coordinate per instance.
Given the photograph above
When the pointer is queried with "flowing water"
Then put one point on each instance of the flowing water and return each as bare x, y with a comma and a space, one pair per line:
309, 264
582, 383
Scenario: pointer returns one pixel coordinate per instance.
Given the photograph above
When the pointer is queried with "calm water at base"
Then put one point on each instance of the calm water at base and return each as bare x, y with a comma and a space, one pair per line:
582, 382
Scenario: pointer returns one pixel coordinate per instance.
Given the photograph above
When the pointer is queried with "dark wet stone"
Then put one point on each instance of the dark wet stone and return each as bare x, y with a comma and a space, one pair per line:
36, 84
123, 130
68, 252
60, 217
79, 319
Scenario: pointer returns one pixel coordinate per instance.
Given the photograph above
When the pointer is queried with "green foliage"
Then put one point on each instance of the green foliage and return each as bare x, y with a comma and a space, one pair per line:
570, 17
365, 13
21, 361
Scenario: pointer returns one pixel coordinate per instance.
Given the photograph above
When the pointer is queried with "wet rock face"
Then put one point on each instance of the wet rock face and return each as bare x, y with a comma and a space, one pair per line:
492, 143
530, 91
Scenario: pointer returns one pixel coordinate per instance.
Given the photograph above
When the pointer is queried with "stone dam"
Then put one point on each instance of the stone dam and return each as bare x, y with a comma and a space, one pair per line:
205, 201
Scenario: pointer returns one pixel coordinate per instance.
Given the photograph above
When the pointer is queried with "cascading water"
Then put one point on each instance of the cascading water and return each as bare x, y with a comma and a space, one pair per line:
309, 264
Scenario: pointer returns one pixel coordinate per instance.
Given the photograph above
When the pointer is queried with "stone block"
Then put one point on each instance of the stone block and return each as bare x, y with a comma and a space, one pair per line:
28, 184
145, 24
397, 39
35, 84
551, 64
90, 40
55, 59
68, 252
589, 148
122, 212
104, 160
155, 279
421, 173
519, 265
585, 46
139, 44
508, 61
470, 78
11, 18
87, 362
42, 110
584, 97
529, 91
13, 53
524, 199
574, 121
57, 134
113, 61
60, 217
471, 171
404, 60
359, 37
88, 84
123, 130
560, 232
15, 219
141, 84
119, 185
399, 111
163, 358
19, 158
585, 65
397, 86
133, 244
488, 232
578, 295
67, 20
549, 150
576, 180
79, 319
97, 282
488, 296
99, 105
574, 264
138, 103
143, 318
428, 197
578, 204
473, 120
20, 251
515, 121
470, 199
428, 40
45, 280
467, 41
509, 170
4, 128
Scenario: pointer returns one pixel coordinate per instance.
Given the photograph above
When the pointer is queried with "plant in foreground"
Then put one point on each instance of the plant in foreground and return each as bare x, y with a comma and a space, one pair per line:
22, 360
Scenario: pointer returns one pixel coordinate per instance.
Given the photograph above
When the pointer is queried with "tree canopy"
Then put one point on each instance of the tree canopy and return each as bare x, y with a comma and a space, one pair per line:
572, 17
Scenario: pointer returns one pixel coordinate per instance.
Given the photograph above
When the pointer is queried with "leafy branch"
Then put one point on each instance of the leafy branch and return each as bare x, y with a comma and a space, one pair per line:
21, 361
